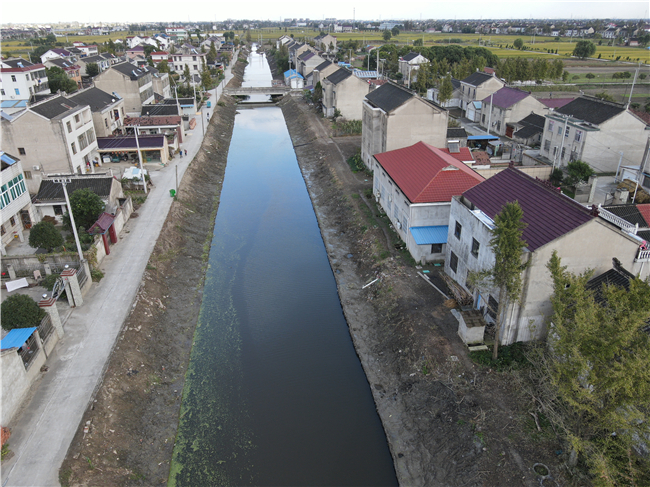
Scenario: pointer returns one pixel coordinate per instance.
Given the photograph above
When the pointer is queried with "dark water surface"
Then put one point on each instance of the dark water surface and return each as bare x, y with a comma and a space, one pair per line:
275, 394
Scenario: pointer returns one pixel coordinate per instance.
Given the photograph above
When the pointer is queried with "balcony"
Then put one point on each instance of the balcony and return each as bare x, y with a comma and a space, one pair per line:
642, 256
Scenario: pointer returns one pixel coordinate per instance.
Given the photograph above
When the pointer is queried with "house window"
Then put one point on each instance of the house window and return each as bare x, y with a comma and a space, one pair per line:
76, 118
193, 58
550, 125
2, 91
17, 91
458, 230
547, 145
28, 174
493, 306
453, 262
475, 247
2, 230
74, 148
566, 132
12, 221
559, 130
563, 152
13, 78
58, 209
578, 136
498, 125
483, 119
83, 142
436, 248
106, 122
21, 151
196, 68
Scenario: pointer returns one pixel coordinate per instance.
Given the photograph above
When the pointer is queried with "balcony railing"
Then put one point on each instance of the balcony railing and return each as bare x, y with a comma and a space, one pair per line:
642, 256
617, 220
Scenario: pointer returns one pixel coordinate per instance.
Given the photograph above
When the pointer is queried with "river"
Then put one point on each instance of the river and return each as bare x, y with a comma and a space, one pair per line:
275, 393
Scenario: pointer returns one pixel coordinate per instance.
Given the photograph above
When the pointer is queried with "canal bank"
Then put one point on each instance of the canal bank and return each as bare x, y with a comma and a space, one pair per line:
448, 421
131, 425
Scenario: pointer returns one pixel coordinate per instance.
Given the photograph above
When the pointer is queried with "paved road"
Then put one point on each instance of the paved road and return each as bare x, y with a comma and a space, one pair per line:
42, 435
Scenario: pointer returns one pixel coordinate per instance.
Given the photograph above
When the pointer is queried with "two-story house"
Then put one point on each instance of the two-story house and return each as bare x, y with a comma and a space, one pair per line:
21, 79
394, 117
56, 53
107, 110
52, 136
326, 43
135, 85
102, 62
409, 65
554, 222
71, 68
307, 61
597, 132
16, 210
320, 72
506, 106
414, 185
160, 81
344, 92
188, 56
477, 86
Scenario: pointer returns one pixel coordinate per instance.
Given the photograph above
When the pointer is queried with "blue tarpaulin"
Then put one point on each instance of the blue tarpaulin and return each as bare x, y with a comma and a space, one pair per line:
430, 235
483, 137
16, 338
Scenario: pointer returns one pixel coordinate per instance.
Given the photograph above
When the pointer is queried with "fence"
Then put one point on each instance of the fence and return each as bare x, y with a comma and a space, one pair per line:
82, 276
25, 266
29, 351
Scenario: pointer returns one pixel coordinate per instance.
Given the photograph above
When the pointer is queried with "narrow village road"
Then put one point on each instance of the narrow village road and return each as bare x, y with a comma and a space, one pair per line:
41, 436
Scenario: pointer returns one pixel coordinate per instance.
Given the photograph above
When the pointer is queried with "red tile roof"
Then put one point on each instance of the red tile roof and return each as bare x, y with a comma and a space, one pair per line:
426, 174
464, 155
645, 116
548, 213
645, 211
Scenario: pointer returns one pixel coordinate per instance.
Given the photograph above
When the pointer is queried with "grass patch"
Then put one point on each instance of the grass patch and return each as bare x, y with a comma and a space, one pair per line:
64, 476
356, 164
96, 275
5, 450
511, 357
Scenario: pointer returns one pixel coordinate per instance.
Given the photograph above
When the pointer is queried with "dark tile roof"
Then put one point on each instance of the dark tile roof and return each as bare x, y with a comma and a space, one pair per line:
477, 78
307, 55
456, 133
389, 96
160, 109
18, 63
617, 276
129, 142
533, 119
94, 59
339, 75
51, 191
54, 107
94, 97
528, 131
410, 56
591, 110
629, 213
548, 213
322, 65
130, 70
63, 63
455, 83
181, 101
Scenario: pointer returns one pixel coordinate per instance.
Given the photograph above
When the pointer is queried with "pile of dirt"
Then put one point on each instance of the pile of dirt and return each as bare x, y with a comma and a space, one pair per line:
447, 420
127, 435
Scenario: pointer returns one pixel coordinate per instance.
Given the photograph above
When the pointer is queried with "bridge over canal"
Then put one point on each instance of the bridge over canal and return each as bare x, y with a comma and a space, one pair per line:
257, 90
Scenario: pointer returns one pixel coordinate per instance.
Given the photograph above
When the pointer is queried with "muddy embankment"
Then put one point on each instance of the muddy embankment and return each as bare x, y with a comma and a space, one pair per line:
133, 419
447, 421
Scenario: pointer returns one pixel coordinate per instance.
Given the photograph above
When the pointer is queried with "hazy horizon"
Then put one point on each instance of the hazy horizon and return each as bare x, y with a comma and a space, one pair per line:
46, 12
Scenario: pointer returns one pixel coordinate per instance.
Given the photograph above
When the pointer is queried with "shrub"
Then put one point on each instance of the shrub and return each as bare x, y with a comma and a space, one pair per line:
45, 235
510, 357
49, 280
20, 311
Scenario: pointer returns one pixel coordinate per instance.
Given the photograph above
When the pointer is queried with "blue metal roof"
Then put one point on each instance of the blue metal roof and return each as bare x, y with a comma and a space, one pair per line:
430, 235
16, 338
13, 103
7, 159
482, 137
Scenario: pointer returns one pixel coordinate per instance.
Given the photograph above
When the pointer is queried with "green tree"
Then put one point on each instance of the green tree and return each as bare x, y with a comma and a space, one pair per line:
519, 43
148, 49
387, 35
394, 31
600, 369
57, 79
577, 172
590, 76
163, 66
248, 37
86, 208
505, 276
418, 42
317, 96
206, 78
45, 235
20, 311
92, 69
446, 90
211, 56
186, 74
584, 49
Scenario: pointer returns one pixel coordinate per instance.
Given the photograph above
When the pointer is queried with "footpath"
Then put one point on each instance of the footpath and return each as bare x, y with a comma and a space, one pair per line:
42, 434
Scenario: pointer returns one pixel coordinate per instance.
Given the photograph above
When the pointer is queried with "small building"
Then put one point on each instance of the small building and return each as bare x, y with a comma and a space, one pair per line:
394, 117
294, 79
154, 148
344, 92
326, 43
135, 85
409, 65
102, 62
415, 185
477, 86
528, 130
320, 72
456, 136
455, 100
172, 127
107, 110
307, 61
473, 111
508, 105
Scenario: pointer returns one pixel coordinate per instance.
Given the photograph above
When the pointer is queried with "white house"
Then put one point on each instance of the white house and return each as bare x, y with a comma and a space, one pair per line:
17, 212
21, 79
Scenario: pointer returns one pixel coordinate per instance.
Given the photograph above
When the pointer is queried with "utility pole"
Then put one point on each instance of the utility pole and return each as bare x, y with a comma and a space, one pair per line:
490, 115
137, 144
632, 89
64, 182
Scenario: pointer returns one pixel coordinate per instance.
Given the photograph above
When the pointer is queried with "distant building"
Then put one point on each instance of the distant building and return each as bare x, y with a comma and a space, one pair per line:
21, 79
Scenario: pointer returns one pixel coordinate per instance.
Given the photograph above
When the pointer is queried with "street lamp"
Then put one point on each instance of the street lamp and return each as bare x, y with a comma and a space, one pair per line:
137, 144
64, 182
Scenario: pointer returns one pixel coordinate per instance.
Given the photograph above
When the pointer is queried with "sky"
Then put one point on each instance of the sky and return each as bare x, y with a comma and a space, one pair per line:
45, 12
